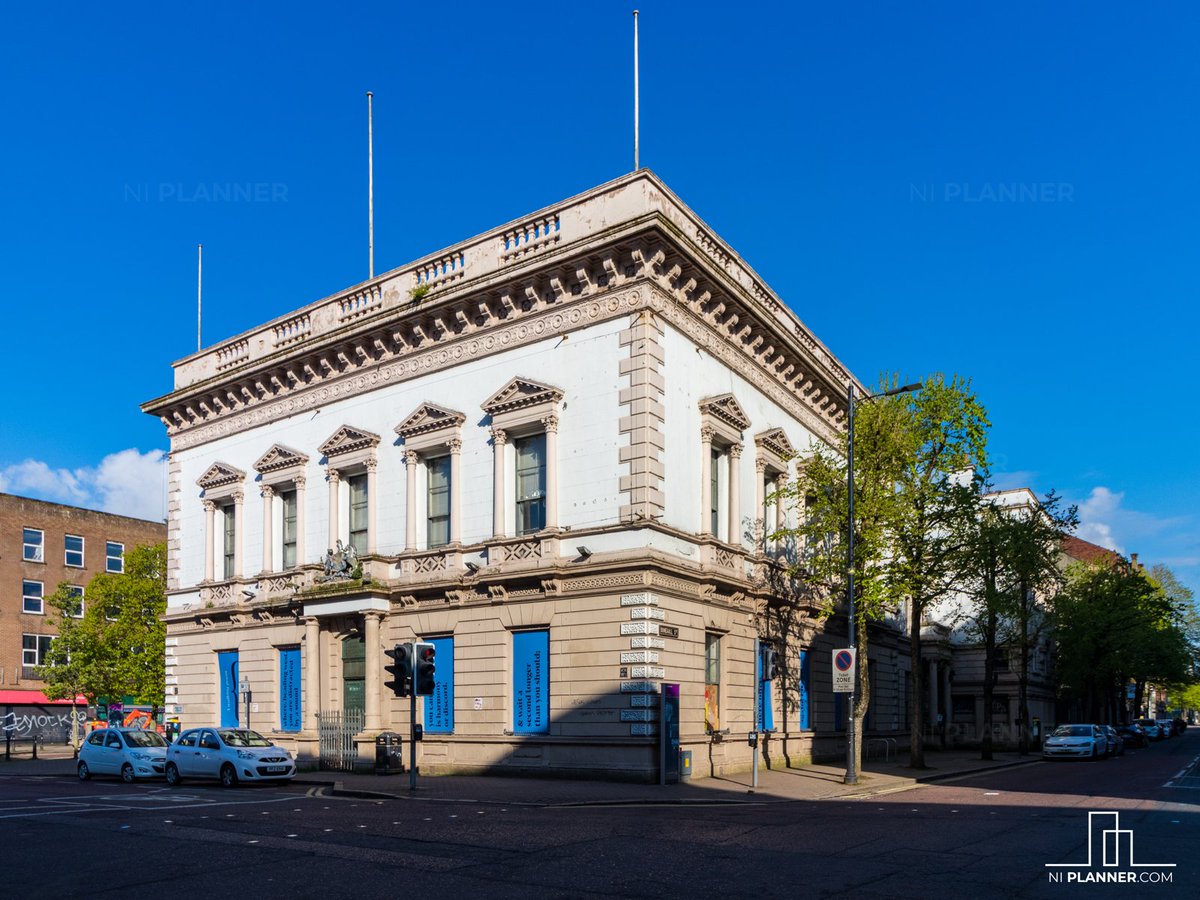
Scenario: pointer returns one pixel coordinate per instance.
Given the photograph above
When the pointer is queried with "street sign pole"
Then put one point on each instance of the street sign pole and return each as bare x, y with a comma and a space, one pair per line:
754, 725
412, 729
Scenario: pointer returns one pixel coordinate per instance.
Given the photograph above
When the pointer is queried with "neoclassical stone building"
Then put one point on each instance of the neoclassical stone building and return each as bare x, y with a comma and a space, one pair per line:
553, 449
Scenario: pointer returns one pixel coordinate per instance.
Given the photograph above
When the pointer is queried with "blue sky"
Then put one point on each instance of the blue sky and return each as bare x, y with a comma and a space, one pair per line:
1004, 191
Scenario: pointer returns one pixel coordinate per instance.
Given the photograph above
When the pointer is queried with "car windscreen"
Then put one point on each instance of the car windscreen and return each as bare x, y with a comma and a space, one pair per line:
1073, 731
240, 737
144, 739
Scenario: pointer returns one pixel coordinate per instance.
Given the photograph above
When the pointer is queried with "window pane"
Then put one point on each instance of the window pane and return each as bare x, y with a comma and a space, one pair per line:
438, 501
31, 592
288, 500
73, 545
230, 533
531, 483
712, 681
358, 512
75, 610
32, 545
114, 557
714, 492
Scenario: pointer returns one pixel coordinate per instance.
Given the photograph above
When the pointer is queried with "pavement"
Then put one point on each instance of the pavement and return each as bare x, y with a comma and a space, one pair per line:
808, 782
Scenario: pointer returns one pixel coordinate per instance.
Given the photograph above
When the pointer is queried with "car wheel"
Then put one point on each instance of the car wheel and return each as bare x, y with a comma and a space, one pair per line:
127, 775
228, 776
83, 771
173, 774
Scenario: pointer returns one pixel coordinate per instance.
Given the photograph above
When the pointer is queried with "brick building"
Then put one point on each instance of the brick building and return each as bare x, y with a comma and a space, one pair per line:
42, 545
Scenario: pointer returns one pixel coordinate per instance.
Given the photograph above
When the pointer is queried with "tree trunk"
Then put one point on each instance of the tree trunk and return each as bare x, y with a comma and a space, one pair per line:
1023, 680
916, 736
862, 694
989, 673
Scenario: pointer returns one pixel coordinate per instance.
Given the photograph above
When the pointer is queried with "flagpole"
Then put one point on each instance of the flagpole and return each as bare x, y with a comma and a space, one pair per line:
635, 90
370, 192
199, 281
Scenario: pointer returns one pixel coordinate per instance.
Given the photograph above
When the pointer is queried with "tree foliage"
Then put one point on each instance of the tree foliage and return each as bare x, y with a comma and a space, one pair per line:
117, 647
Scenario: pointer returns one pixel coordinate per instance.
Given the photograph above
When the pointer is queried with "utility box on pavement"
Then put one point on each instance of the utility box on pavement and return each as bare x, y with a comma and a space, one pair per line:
389, 753
685, 764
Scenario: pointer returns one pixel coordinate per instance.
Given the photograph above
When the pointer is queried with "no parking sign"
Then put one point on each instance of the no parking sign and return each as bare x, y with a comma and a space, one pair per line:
843, 670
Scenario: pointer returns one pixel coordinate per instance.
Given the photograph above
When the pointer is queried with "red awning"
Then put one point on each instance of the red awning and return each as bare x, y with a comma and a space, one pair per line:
35, 698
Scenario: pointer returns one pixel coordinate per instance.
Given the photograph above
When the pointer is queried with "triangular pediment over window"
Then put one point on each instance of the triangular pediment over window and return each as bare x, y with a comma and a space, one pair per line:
219, 475
347, 439
429, 417
776, 441
280, 457
519, 393
726, 408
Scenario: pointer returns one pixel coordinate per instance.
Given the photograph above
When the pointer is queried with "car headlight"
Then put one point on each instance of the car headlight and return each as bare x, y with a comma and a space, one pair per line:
144, 757
245, 754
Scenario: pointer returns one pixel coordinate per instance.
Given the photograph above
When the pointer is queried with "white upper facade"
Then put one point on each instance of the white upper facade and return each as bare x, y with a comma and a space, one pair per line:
605, 374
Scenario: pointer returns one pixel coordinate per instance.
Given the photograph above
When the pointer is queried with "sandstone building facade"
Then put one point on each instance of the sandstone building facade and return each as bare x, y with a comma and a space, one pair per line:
552, 448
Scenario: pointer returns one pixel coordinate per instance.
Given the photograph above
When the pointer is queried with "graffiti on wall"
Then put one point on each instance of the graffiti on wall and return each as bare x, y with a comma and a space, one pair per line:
49, 724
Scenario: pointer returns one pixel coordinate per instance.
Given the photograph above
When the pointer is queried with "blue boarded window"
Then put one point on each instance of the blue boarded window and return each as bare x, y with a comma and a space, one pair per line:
439, 706
289, 689
766, 715
531, 682
805, 692
227, 666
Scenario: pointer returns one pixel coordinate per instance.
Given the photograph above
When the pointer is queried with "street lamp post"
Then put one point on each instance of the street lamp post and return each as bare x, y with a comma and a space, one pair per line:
851, 758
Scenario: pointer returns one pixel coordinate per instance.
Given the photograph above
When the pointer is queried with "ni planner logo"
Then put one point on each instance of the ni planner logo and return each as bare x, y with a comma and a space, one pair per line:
1109, 857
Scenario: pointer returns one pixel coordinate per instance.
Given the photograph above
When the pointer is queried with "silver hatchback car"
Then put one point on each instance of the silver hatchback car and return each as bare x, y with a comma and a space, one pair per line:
230, 754
128, 752
1076, 741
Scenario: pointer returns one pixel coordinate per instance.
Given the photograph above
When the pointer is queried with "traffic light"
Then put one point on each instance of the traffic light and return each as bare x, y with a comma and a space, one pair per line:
401, 670
770, 664
423, 671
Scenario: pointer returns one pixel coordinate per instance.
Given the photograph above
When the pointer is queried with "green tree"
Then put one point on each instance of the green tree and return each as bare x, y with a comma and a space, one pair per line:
882, 448
1032, 551
117, 646
935, 502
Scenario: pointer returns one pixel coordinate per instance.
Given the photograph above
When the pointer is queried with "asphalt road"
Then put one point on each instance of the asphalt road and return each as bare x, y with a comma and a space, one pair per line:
989, 835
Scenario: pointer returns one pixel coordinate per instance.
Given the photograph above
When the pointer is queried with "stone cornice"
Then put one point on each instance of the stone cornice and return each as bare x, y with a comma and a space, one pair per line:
727, 409
429, 417
278, 458
348, 439
220, 475
520, 393
545, 270
776, 441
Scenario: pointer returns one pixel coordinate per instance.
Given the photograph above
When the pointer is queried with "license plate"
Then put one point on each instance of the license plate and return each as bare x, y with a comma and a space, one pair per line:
275, 770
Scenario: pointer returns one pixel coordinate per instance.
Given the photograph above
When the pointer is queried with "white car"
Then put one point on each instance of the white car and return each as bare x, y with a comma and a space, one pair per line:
230, 754
128, 752
1078, 741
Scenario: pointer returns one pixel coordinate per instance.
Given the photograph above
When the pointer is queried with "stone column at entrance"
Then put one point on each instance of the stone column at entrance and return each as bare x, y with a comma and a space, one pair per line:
210, 516
312, 672
762, 527
372, 684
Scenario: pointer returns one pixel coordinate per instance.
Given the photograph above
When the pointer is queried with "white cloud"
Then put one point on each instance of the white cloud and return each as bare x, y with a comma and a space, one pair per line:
1097, 516
130, 483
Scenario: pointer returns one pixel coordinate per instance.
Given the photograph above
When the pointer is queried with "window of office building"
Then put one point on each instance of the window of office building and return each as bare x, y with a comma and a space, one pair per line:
31, 597
34, 648
712, 681
437, 472
33, 545
75, 607
531, 483
229, 543
73, 551
359, 523
288, 503
722, 422
114, 557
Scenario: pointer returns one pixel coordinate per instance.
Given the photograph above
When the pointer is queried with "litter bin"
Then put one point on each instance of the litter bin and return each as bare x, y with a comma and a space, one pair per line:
389, 754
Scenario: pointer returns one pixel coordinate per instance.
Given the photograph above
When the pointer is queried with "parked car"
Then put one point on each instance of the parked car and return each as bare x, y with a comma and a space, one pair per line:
1153, 730
1178, 726
1134, 735
1116, 743
128, 752
230, 754
1076, 741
